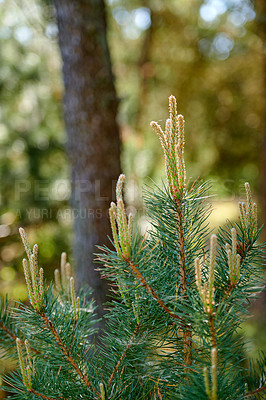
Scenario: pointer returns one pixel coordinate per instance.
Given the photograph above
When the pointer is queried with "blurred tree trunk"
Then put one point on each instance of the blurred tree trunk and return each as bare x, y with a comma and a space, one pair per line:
259, 305
261, 19
90, 107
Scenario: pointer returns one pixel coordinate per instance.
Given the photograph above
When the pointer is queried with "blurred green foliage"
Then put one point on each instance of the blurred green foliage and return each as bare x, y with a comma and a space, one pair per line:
33, 165
208, 53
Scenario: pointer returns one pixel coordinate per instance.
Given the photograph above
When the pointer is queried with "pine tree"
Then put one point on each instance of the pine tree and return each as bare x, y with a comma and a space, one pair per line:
174, 324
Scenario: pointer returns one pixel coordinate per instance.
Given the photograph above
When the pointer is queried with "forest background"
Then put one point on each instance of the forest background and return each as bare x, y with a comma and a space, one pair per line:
209, 54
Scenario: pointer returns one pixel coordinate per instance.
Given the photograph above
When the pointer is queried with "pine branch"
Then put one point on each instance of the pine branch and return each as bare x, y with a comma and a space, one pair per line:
66, 351
42, 395
6, 323
183, 276
150, 290
32, 391
178, 304
14, 338
181, 247
261, 389
6, 330
123, 356
13, 334
212, 330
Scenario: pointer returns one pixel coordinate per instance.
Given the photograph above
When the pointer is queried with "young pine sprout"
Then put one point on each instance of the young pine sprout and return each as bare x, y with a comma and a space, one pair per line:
33, 274
25, 365
234, 259
207, 289
248, 214
120, 224
173, 141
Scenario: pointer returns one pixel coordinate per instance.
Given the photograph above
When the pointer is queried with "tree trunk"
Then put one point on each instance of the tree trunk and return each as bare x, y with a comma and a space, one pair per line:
259, 305
261, 26
90, 107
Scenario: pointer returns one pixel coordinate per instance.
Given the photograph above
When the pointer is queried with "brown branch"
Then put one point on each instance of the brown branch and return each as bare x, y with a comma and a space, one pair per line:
4, 328
255, 392
149, 289
123, 356
181, 246
66, 352
158, 380
187, 337
228, 292
14, 337
42, 395
185, 366
212, 329
32, 391
10, 384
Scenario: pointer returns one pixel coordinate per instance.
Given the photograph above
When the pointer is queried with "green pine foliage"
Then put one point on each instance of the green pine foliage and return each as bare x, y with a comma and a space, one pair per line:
179, 299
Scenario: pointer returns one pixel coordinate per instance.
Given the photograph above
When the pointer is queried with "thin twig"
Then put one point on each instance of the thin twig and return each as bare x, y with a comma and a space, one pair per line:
4, 328
43, 396
187, 337
14, 337
212, 330
66, 352
255, 392
10, 384
181, 246
122, 356
149, 289
33, 391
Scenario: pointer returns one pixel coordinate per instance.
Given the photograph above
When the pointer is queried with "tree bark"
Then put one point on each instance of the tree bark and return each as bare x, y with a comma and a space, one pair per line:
90, 107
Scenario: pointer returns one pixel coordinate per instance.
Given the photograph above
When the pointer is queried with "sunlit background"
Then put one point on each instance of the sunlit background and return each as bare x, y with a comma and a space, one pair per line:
209, 54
